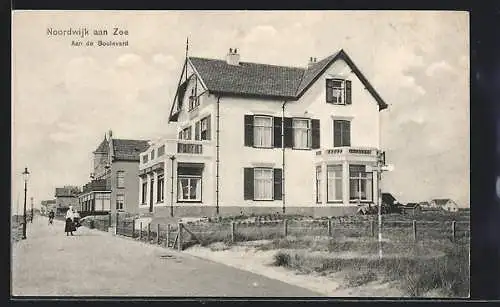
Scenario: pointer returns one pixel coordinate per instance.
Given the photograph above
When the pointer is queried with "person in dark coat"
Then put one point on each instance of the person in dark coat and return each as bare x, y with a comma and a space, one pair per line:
51, 217
69, 227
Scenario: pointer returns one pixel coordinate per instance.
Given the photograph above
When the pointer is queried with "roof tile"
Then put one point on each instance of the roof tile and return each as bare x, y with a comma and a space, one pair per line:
129, 150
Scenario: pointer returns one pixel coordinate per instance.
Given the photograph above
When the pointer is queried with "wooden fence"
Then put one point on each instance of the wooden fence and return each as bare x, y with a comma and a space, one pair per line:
182, 235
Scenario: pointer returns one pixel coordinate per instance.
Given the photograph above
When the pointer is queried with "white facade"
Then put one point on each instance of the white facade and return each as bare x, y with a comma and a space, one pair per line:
308, 175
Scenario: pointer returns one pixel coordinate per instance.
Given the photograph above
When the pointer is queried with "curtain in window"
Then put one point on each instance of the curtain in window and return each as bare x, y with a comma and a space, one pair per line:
334, 174
301, 133
263, 188
361, 183
263, 129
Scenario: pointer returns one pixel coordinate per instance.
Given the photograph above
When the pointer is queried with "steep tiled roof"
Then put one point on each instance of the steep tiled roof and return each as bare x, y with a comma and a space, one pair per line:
67, 192
128, 150
103, 147
248, 78
270, 80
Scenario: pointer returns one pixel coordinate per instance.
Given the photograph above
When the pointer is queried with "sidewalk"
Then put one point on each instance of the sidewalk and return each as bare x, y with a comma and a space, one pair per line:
95, 263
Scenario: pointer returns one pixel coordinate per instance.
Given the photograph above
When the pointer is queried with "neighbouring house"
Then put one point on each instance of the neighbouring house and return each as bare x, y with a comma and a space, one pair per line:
445, 204
65, 197
259, 139
113, 182
424, 204
47, 205
411, 208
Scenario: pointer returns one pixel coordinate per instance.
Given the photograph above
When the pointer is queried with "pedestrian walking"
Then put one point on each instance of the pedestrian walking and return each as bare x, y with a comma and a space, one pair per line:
69, 227
51, 217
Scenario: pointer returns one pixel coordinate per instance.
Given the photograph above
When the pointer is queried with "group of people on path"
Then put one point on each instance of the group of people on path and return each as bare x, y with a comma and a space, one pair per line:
72, 220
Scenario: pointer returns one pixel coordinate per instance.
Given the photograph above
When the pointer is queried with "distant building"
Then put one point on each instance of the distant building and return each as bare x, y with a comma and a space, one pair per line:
47, 206
445, 203
65, 197
410, 208
114, 177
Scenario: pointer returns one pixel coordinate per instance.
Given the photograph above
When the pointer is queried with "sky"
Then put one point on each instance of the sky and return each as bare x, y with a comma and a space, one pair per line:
65, 98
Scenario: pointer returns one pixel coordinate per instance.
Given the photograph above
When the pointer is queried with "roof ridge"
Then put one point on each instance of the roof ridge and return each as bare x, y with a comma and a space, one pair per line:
254, 63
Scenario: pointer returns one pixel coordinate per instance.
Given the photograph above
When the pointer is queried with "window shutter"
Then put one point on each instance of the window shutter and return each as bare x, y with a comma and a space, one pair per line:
288, 122
329, 91
249, 130
346, 133
315, 134
248, 183
348, 94
197, 131
180, 135
277, 132
278, 183
209, 126
337, 133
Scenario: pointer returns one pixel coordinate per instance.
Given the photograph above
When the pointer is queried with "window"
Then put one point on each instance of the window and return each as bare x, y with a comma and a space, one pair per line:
301, 133
151, 191
185, 134
120, 179
360, 183
152, 154
338, 91
341, 133
145, 159
319, 198
189, 183
205, 128
263, 184
161, 150
263, 131
159, 190
144, 190
334, 185
120, 200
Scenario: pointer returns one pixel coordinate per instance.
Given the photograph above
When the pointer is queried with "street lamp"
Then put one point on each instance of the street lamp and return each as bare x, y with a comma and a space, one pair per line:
32, 211
26, 177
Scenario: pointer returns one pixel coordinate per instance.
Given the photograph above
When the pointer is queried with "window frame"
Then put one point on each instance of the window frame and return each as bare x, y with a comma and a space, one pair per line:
202, 121
144, 191
296, 129
342, 131
118, 173
368, 176
118, 196
160, 192
270, 127
269, 181
341, 88
334, 179
180, 195
319, 188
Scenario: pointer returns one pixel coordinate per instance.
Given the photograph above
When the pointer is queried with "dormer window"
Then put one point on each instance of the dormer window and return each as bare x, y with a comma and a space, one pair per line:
338, 91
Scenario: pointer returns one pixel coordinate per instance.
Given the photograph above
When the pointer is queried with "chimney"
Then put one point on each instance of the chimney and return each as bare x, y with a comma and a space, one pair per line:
233, 58
312, 61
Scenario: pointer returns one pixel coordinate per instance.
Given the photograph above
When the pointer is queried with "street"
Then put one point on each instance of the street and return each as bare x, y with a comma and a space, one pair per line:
95, 263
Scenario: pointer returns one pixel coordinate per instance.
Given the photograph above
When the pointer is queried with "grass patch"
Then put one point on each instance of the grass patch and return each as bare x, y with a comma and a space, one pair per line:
282, 259
356, 279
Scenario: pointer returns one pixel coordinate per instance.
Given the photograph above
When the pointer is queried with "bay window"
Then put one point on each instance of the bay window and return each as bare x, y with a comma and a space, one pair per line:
360, 183
334, 184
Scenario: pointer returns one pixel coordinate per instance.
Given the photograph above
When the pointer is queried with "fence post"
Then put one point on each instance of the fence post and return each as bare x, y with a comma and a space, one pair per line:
372, 227
285, 227
140, 232
158, 234
414, 227
149, 232
453, 230
109, 219
133, 228
233, 225
168, 235
179, 237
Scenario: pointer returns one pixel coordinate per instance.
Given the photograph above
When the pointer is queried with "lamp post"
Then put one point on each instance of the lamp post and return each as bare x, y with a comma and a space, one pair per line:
26, 176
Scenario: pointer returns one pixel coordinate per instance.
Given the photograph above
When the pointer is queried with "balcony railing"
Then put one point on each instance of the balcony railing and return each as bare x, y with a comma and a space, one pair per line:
189, 148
